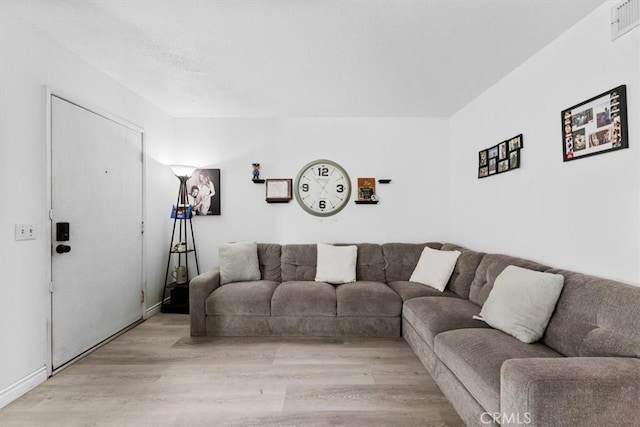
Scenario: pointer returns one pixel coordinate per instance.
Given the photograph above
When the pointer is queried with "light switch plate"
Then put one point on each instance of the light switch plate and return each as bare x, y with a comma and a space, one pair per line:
26, 231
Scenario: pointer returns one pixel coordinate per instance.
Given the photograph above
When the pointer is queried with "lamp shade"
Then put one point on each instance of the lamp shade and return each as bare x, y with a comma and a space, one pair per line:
182, 170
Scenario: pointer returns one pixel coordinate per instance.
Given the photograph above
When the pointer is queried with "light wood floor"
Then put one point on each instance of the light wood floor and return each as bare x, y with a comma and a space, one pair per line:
156, 374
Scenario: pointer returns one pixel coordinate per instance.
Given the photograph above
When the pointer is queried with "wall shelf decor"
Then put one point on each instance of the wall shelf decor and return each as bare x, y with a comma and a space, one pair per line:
279, 190
384, 181
366, 189
595, 126
502, 157
256, 174
366, 202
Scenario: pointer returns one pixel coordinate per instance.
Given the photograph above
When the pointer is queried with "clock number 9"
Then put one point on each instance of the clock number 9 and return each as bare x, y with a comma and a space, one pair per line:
305, 187
322, 204
323, 171
340, 188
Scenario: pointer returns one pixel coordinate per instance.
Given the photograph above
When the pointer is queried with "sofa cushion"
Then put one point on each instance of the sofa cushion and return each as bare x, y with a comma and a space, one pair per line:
430, 316
475, 357
402, 258
336, 264
298, 262
364, 298
434, 268
465, 269
304, 298
595, 317
242, 298
408, 290
238, 262
522, 301
489, 268
371, 264
269, 261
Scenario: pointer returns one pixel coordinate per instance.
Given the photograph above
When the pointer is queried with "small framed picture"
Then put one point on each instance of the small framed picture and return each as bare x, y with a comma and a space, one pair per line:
502, 150
514, 159
515, 143
492, 166
595, 126
366, 188
483, 158
279, 190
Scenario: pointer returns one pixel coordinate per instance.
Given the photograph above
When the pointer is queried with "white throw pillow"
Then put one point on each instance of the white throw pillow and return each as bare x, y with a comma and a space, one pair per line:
238, 262
434, 268
336, 264
522, 301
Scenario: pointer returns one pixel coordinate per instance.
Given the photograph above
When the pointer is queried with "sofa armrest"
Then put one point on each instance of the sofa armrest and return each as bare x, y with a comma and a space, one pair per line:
200, 288
570, 391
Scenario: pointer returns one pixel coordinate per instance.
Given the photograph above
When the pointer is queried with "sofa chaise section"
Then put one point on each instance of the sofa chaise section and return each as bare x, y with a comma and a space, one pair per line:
584, 371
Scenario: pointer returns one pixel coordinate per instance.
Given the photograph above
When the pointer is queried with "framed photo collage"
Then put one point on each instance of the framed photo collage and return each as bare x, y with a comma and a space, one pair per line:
595, 126
500, 158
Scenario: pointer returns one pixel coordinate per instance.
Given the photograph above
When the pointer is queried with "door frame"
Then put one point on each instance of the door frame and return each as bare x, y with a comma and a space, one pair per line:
49, 93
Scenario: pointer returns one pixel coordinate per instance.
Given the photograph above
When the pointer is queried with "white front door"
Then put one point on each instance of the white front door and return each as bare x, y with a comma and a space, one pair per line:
96, 187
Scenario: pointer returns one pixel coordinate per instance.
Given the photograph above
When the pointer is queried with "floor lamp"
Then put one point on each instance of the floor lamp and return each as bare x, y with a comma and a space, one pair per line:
177, 281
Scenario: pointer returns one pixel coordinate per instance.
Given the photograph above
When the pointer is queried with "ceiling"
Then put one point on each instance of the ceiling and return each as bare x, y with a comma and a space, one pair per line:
305, 58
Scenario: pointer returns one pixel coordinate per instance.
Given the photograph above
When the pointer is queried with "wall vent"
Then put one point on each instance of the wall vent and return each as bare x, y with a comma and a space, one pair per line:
625, 16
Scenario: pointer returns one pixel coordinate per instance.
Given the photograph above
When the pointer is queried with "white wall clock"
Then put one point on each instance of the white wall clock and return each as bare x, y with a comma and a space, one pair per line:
322, 188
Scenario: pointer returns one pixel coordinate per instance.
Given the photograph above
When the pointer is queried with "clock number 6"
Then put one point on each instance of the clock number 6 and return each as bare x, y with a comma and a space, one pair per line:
322, 204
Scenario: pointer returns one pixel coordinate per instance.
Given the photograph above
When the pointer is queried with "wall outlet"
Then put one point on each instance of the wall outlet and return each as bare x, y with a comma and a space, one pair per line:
26, 231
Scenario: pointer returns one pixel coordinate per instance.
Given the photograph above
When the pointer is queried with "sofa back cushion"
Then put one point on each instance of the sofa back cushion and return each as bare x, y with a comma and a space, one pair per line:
465, 270
298, 262
489, 268
402, 258
269, 261
595, 317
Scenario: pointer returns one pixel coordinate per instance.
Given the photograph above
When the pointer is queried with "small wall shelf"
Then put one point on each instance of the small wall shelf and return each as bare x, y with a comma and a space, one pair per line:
384, 181
366, 202
258, 181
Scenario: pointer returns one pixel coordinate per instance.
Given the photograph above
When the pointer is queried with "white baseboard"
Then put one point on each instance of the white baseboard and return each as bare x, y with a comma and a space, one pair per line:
22, 386
152, 311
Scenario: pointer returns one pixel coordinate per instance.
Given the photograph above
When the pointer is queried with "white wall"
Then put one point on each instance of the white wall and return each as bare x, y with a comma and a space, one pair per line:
412, 152
29, 61
581, 215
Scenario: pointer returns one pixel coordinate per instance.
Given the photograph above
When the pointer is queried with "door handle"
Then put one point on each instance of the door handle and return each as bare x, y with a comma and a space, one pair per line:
63, 249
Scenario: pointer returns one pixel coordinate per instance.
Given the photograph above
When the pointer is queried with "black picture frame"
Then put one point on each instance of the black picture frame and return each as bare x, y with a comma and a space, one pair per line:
595, 126
206, 201
502, 157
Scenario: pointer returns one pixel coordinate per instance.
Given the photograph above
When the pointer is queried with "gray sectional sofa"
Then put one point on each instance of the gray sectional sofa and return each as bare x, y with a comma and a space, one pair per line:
584, 371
